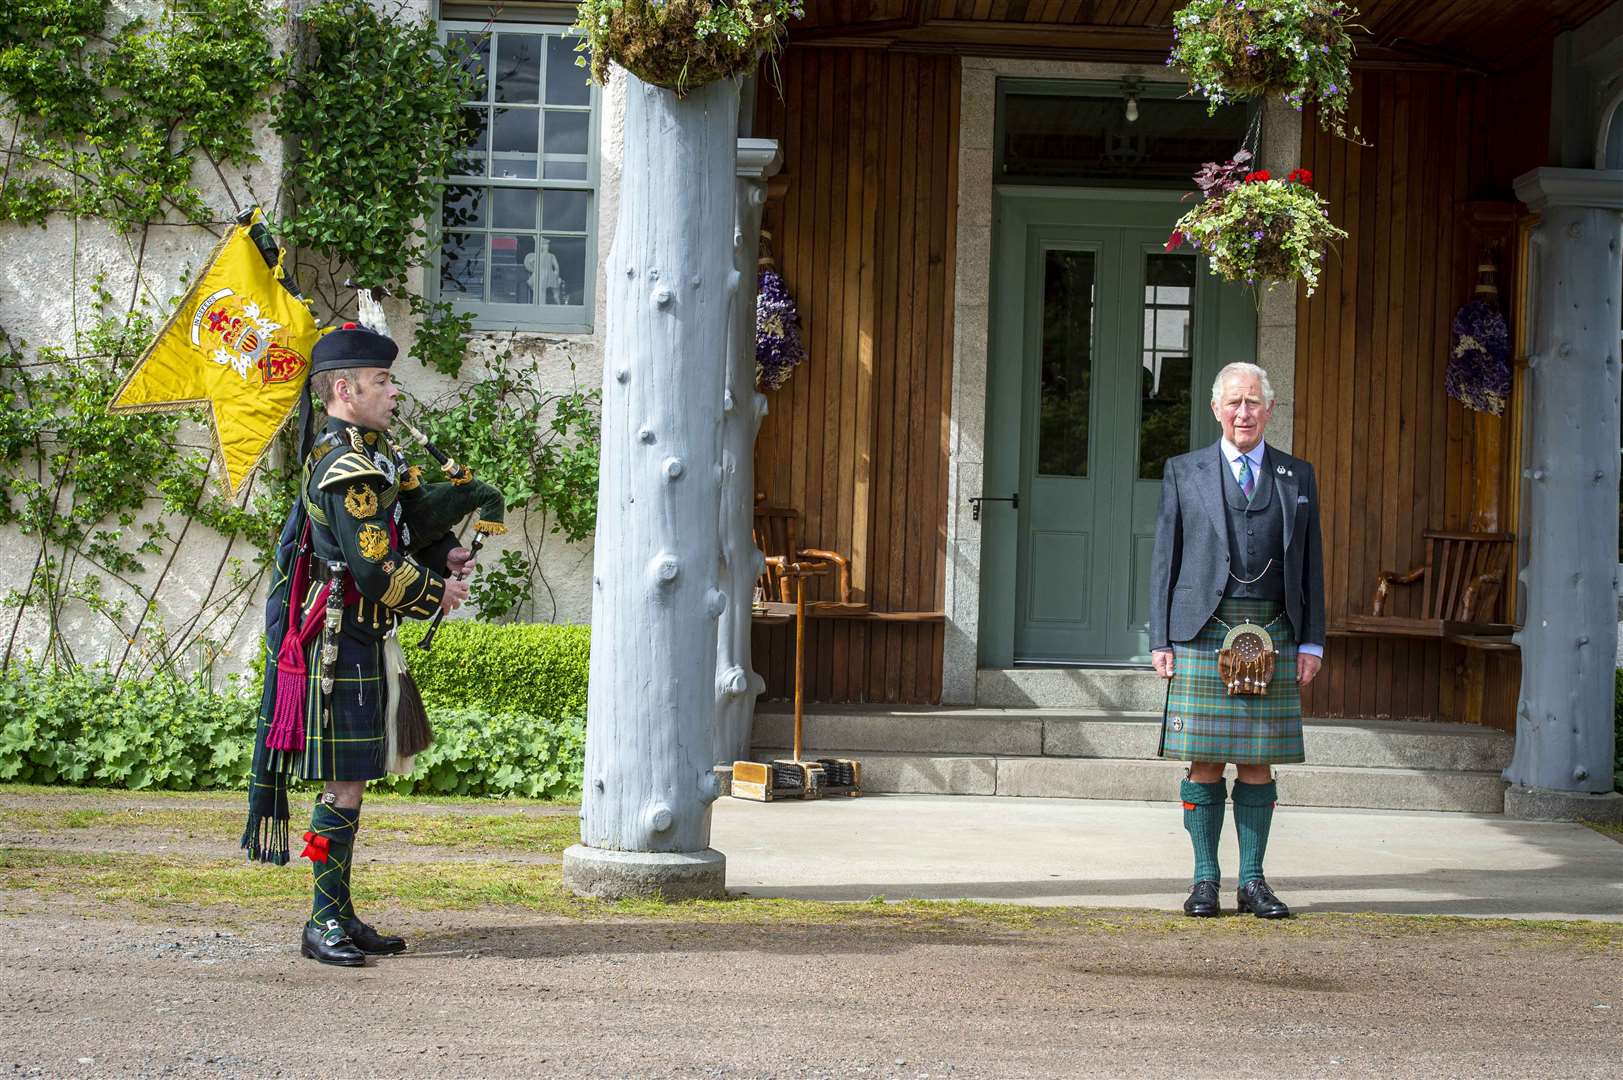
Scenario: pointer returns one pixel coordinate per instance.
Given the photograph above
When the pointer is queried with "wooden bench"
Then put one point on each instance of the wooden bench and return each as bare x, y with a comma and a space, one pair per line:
1460, 582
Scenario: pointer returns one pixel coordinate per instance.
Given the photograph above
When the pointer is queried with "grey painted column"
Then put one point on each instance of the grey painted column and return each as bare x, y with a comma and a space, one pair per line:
1562, 766
657, 593
737, 682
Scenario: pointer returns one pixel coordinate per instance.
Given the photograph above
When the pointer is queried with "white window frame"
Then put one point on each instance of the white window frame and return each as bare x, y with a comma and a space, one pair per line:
538, 316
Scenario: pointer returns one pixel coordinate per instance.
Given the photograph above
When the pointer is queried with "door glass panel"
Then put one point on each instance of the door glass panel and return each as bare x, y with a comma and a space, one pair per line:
1167, 370
1067, 362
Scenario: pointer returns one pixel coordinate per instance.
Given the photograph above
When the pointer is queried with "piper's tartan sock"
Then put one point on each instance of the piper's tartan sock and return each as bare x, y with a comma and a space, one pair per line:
347, 911
332, 876
1203, 818
1253, 814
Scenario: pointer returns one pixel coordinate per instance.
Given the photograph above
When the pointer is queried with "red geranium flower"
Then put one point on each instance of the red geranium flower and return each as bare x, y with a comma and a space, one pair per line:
1174, 242
1258, 176
1301, 176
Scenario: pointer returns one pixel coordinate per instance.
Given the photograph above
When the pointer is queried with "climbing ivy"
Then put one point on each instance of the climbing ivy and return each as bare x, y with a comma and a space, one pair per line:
111, 123
374, 105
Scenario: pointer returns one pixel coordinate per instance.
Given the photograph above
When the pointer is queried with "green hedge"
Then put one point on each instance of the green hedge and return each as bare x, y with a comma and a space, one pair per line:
536, 668
508, 706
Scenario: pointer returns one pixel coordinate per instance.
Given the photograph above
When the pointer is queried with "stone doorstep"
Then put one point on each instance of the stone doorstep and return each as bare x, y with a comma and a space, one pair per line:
1139, 780
1065, 733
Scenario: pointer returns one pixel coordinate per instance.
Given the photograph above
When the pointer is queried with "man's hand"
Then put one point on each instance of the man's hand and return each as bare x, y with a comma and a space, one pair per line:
459, 560
1162, 659
456, 591
1306, 668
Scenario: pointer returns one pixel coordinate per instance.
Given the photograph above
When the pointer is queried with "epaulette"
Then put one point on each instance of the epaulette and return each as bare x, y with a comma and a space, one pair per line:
347, 468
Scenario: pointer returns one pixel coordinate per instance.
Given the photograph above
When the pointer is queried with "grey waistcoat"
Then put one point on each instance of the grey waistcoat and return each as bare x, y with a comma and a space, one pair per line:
1256, 534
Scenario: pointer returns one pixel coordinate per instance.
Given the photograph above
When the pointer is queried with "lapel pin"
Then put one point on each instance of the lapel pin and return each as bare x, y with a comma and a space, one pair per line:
1280, 469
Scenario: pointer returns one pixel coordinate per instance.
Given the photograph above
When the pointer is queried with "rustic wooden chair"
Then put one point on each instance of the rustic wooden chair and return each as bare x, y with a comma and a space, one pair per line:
1460, 581
777, 534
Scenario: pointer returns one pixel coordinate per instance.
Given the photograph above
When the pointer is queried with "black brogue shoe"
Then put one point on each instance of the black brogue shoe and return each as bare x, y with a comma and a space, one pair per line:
369, 941
1256, 897
330, 945
1202, 902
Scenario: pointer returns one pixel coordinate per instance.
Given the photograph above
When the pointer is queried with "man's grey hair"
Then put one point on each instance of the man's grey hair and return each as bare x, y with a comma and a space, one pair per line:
1241, 367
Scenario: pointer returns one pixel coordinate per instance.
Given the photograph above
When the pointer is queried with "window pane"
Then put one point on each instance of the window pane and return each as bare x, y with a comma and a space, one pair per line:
473, 52
470, 161
463, 207
518, 68
513, 208
509, 273
1168, 369
462, 265
512, 152
1067, 359
1074, 139
568, 132
553, 169
570, 284
566, 83
564, 211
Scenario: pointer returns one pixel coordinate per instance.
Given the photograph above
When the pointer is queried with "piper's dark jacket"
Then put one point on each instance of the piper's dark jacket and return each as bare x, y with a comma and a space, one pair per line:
1190, 568
358, 493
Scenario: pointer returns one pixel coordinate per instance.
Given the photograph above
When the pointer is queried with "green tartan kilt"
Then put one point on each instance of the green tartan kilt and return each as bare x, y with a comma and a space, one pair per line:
1203, 722
343, 731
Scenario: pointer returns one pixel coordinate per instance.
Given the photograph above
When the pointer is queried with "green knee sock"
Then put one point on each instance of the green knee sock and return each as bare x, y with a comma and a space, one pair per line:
1253, 814
347, 911
1203, 818
337, 826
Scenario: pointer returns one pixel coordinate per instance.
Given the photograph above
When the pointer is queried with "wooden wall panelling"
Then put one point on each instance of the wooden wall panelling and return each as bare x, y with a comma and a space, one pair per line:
856, 440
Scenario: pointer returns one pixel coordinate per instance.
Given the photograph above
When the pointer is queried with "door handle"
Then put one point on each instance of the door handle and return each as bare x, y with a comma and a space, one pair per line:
975, 503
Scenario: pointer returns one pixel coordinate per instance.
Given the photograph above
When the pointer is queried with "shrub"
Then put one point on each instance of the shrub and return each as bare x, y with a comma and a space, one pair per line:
507, 703
534, 668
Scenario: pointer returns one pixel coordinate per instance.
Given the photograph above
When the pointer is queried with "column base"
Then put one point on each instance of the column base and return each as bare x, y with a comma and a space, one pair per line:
623, 875
1548, 804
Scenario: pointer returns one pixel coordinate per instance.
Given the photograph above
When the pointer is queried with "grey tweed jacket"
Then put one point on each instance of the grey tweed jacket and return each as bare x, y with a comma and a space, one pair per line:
1191, 562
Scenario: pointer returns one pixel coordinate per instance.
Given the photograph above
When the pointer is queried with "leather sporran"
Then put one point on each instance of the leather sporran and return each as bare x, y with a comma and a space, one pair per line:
1245, 663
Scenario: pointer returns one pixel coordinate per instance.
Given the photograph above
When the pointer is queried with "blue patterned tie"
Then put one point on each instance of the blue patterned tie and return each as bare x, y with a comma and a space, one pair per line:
1248, 479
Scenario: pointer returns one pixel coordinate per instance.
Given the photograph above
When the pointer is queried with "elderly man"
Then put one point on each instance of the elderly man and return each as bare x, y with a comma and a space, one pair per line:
1238, 571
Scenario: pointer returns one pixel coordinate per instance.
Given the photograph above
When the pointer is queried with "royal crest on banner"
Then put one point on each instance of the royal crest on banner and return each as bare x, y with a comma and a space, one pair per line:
239, 343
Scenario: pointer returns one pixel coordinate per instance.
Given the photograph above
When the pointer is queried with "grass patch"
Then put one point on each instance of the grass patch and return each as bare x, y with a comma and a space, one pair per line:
71, 796
543, 833
158, 884
1613, 829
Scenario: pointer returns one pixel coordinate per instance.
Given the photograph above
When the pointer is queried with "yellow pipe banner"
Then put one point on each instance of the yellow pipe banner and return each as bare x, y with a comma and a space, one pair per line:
238, 343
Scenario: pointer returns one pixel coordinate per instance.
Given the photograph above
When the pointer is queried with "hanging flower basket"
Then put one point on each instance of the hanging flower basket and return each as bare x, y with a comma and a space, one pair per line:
681, 44
1257, 229
1297, 49
1478, 372
778, 348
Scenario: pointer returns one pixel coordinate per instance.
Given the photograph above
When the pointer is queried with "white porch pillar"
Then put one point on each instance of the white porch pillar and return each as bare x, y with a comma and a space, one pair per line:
1564, 732
737, 683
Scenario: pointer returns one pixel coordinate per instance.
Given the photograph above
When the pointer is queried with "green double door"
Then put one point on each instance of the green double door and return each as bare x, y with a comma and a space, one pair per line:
1102, 351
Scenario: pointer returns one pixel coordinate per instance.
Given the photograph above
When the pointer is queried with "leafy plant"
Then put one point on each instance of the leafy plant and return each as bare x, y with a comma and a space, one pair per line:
1298, 49
375, 105
1255, 228
682, 44
536, 668
540, 448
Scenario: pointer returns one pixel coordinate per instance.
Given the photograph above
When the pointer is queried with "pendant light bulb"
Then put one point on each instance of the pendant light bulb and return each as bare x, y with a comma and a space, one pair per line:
1132, 107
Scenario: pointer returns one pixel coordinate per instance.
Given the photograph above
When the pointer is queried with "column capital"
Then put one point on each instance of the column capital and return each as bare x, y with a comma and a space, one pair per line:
759, 159
1547, 186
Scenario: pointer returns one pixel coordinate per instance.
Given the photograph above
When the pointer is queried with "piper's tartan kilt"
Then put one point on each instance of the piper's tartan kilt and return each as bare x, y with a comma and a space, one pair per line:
1203, 722
343, 731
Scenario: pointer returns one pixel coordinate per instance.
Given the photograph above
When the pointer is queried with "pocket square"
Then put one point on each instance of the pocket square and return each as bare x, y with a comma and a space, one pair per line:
1300, 499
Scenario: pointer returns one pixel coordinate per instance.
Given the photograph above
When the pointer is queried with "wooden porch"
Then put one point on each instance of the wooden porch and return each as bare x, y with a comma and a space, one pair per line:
1453, 100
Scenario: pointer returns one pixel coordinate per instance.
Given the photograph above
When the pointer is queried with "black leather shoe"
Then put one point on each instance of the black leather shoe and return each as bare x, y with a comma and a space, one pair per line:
1202, 902
370, 942
1256, 897
331, 945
